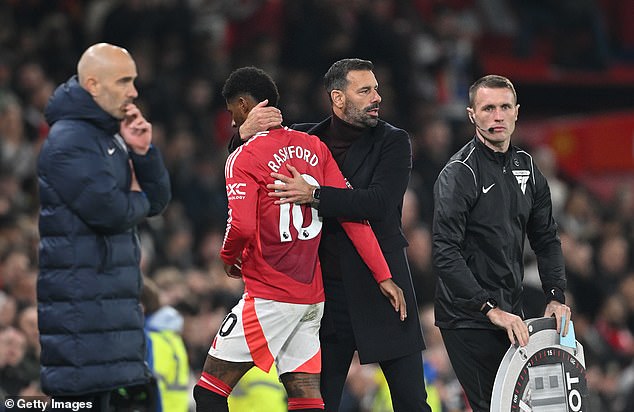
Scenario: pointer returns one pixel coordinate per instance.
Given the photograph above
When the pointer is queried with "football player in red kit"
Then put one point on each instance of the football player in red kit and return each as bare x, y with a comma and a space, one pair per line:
274, 248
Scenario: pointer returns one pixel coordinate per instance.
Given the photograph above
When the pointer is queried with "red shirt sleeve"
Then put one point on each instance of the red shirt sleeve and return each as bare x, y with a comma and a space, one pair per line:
242, 192
359, 232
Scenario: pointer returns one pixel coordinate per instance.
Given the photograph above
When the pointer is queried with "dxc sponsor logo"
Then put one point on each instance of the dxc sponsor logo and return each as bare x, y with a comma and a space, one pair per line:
234, 190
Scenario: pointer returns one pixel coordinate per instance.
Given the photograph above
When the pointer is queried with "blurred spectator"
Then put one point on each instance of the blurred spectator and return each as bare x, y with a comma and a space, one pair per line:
622, 208
608, 348
627, 291
432, 146
419, 257
576, 26
612, 262
8, 309
258, 390
16, 153
580, 214
14, 267
582, 280
545, 159
171, 284
14, 373
611, 324
26, 323
166, 353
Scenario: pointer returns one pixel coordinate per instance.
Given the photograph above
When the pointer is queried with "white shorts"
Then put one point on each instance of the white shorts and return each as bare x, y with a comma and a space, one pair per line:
263, 331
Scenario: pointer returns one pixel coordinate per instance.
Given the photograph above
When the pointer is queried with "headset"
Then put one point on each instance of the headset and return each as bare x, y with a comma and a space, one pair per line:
489, 130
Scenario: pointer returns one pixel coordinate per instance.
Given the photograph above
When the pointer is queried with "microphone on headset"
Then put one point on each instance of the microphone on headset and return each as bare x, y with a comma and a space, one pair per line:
489, 130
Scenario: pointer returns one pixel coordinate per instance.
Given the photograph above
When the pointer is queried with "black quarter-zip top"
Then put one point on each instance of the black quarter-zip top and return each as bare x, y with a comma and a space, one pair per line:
486, 204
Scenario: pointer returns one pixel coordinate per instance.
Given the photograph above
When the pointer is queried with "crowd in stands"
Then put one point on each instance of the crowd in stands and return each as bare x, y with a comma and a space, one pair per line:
426, 54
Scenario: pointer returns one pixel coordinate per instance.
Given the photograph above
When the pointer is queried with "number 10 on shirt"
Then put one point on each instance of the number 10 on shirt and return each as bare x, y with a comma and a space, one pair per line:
295, 213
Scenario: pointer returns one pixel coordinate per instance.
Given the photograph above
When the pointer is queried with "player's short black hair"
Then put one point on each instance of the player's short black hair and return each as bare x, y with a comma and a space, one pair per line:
251, 81
336, 78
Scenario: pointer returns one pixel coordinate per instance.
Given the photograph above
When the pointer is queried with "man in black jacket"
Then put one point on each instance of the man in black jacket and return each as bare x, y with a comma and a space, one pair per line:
488, 196
376, 159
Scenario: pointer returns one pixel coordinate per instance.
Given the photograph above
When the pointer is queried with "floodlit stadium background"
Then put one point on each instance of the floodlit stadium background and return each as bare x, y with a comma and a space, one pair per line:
572, 62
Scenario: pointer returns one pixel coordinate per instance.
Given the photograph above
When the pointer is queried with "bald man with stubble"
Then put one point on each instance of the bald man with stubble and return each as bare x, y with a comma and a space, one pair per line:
99, 176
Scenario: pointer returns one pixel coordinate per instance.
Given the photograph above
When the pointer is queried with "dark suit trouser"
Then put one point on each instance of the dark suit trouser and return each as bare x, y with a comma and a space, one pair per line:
475, 356
404, 375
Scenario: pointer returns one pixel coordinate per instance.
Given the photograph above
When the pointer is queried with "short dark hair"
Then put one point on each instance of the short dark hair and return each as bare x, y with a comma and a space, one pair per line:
253, 82
336, 77
491, 81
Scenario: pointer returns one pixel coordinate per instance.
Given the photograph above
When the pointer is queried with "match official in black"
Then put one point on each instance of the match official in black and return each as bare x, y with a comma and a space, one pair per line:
488, 197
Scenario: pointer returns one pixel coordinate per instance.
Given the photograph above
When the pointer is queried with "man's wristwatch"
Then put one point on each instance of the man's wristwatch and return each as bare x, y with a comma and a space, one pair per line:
316, 194
488, 305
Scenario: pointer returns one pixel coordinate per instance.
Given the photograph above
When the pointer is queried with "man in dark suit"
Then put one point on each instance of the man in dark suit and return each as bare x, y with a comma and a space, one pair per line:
376, 159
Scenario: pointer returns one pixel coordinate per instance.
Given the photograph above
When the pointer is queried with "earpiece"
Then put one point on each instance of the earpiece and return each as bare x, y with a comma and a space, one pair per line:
472, 119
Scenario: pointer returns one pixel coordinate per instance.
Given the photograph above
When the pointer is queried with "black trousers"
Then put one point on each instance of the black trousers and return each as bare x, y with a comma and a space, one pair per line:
475, 356
404, 375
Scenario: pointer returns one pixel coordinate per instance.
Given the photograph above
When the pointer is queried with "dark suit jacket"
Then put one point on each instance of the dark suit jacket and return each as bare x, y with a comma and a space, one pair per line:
378, 166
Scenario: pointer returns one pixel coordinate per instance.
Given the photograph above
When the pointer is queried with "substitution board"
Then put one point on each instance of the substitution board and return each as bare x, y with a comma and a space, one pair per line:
547, 375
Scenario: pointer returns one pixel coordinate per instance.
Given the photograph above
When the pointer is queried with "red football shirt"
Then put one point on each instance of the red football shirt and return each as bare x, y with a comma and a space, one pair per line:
278, 244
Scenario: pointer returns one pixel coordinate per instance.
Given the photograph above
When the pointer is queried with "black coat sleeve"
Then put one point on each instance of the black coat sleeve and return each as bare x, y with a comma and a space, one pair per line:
385, 190
455, 192
544, 240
